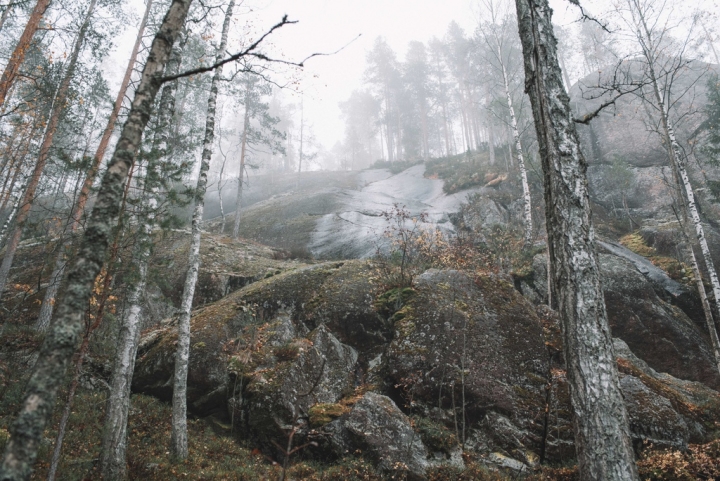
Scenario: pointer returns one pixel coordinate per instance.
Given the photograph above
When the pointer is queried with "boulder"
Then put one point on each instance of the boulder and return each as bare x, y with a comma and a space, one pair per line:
377, 427
321, 353
280, 391
644, 310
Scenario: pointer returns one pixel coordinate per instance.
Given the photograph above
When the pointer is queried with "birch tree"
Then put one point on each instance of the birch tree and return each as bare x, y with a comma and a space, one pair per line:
497, 37
179, 442
114, 440
56, 112
649, 25
62, 338
602, 438
48, 303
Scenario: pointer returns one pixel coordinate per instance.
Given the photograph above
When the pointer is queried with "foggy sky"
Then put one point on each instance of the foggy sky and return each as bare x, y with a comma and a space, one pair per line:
325, 26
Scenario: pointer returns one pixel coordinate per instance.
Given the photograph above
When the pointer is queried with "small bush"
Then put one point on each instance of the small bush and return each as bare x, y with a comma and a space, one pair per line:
434, 435
287, 352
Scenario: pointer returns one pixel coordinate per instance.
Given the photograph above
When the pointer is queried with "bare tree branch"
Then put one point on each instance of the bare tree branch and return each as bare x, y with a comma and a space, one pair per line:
250, 51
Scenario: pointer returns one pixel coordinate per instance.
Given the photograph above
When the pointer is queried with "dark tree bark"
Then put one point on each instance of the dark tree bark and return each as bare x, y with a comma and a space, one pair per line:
602, 439
64, 334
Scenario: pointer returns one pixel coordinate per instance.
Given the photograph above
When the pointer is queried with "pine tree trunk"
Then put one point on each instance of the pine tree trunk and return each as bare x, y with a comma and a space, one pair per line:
179, 415
602, 439
302, 128
491, 133
48, 303
527, 213
447, 130
241, 174
64, 334
18, 56
424, 125
57, 110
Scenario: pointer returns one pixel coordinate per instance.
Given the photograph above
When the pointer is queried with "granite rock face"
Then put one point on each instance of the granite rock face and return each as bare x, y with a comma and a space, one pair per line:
403, 376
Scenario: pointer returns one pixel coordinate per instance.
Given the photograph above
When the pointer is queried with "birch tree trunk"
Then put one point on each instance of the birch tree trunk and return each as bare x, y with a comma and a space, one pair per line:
709, 321
18, 56
13, 212
179, 414
241, 174
62, 338
677, 159
48, 303
57, 110
527, 212
602, 439
114, 439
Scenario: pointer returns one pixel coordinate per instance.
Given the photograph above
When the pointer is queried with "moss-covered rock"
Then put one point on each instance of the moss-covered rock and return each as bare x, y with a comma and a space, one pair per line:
376, 427
468, 356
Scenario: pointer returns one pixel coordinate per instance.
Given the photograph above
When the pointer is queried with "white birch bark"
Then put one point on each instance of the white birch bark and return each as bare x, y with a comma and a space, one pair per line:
602, 438
62, 338
179, 440
677, 159
114, 439
17, 196
527, 200
707, 310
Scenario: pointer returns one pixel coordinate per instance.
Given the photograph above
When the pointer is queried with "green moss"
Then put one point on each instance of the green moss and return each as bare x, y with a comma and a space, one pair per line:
322, 413
460, 171
390, 302
677, 270
434, 435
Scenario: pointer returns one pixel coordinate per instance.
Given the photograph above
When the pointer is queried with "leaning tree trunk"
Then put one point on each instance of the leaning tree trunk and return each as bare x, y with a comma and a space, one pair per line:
18, 56
678, 161
527, 213
57, 110
62, 338
241, 174
99, 314
179, 414
114, 438
602, 439
707, 310
48, 303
